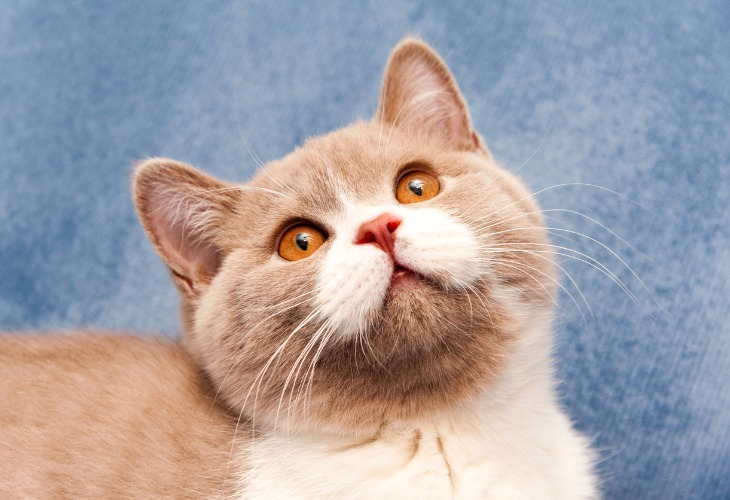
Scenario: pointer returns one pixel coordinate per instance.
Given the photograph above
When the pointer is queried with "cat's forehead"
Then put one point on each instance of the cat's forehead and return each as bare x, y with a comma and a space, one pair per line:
357, 164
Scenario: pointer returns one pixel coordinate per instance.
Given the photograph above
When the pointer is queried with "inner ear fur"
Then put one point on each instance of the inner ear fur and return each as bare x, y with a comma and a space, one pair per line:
420, 93
183, 211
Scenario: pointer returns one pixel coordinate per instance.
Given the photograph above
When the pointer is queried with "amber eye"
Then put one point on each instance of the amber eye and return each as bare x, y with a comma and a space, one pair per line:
300, 241
416, 186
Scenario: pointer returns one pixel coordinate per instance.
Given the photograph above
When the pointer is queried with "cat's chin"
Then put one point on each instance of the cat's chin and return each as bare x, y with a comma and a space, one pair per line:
406, 291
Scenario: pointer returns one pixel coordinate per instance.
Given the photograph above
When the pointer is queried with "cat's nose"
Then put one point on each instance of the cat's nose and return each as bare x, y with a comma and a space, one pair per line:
379, 231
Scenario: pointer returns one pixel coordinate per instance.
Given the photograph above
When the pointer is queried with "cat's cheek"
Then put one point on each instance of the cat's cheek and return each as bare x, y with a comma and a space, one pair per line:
351, 287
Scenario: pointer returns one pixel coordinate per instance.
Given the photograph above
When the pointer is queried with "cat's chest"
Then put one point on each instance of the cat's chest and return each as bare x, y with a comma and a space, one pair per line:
424, 461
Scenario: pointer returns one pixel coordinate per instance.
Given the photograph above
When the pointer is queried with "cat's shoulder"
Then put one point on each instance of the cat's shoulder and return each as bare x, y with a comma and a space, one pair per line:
88, 344
107, 356
116, 415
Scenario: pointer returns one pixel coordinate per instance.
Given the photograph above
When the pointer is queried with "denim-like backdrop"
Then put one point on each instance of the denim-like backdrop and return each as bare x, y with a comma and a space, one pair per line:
618, 110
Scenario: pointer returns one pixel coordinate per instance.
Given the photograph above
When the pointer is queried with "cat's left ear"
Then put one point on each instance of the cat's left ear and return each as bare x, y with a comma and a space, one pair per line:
419, 93
183, 212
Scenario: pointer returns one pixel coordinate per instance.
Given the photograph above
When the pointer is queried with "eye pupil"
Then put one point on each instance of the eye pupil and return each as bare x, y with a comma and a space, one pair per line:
302, 240
416, 187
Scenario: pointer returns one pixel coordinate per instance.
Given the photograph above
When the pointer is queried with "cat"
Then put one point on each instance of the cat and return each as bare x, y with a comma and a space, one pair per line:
369, 317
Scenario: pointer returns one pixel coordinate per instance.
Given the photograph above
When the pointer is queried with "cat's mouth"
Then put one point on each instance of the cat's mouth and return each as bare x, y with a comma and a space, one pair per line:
405, 278
402, 274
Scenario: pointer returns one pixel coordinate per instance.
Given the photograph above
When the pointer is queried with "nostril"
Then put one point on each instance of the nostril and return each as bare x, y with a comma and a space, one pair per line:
392, 225
368, 237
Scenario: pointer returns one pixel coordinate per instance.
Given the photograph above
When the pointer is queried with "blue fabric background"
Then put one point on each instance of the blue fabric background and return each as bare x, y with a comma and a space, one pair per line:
633, 97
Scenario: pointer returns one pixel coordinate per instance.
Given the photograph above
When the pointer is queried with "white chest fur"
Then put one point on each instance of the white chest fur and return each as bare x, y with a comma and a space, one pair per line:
526, 451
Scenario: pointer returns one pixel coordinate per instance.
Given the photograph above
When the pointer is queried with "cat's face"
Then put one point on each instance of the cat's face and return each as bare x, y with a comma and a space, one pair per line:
380, 272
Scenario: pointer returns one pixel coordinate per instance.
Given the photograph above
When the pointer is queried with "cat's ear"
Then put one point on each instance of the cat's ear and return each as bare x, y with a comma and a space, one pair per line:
183, 212
420, 93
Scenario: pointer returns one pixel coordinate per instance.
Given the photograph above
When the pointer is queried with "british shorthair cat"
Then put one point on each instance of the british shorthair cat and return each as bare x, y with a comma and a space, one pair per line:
369, 317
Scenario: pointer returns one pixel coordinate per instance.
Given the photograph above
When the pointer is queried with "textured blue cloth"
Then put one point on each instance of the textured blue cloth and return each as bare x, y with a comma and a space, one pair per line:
632, 97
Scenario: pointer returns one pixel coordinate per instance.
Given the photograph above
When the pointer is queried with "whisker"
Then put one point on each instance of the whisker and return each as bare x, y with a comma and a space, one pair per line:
250, 149
313, 364
524, 163
259, 377
240, 356
587, 260
561, 210
576, 233
565, 184
515, 265
296, 367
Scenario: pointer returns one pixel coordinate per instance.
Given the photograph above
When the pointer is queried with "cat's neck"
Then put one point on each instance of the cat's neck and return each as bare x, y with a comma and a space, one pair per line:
510, 435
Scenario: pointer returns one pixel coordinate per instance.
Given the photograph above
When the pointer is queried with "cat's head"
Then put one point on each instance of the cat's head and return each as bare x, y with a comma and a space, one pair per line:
380, 272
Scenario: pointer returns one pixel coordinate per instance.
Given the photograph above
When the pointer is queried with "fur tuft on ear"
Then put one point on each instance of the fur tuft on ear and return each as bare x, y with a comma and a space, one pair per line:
183, 210
419, 93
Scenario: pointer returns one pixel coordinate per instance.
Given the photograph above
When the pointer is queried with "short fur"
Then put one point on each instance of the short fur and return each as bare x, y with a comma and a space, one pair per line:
321, 377
109, 416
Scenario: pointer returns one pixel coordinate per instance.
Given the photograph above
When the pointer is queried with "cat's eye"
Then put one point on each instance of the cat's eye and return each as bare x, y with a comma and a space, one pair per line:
417, 186
300, 241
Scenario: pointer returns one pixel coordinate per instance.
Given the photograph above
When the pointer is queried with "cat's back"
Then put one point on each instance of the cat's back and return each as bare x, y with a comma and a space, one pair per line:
97, 415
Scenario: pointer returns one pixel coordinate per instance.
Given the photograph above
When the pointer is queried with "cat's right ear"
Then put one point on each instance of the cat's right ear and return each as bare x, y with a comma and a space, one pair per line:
183, 212
419, 93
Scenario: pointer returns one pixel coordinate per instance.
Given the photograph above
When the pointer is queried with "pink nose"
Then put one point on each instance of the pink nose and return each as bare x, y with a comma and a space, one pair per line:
379, 231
